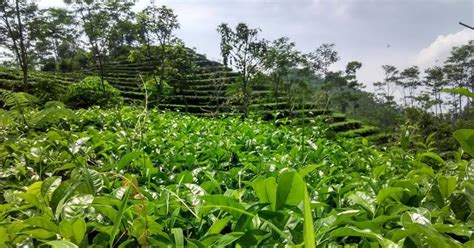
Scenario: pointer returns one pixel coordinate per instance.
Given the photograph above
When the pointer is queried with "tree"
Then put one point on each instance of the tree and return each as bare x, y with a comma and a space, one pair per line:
58, 36
351, 71
183, 67
354, 94
409, 79
319, 61
434, 80
338, 81
99, 19
299, 85
281, 57
459, 69
17, 31
344, 86
242, 49
155, 26
386, 88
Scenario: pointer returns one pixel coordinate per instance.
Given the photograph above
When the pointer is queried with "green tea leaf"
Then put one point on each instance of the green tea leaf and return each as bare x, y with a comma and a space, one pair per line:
77, 146
61, 244
308, 169
465, 137
308, 229
76, 206
355, 232
460, 206
363, 199
39, 233
422, 225
218, 225
128, 158
460, 91
73, 230
432, 156
49, 185
222, 201
447, 185
393, 192
290, 189
42, 222
118, 218
265, 189
178, 237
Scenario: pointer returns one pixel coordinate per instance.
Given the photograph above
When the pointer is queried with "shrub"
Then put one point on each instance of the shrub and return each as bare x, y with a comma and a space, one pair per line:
47, 90
90, 92
54, 114
154, 90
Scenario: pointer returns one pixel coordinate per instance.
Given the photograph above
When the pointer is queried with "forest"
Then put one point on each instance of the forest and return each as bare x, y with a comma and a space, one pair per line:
115, 133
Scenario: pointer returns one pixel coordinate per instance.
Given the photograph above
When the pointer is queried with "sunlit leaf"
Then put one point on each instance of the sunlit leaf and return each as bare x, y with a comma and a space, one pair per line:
465, 137
447, 185
290, 189
265, 189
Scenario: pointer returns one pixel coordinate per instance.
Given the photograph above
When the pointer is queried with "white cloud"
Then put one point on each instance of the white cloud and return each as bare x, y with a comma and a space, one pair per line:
440, 49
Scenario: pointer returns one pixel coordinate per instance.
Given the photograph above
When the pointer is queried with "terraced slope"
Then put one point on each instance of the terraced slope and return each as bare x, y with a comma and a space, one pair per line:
337, 122
205, 93
11, 78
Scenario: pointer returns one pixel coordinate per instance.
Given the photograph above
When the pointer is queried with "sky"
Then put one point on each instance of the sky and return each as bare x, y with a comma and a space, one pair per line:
375, 32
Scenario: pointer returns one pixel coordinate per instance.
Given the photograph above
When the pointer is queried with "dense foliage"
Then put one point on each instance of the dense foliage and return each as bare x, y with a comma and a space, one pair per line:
105, 174
91, 91
129, 177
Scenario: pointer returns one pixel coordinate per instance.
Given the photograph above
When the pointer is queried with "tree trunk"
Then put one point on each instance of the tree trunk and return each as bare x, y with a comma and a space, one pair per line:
24, 69
24, 55
406, 98
102, 71
158, 90
245, 99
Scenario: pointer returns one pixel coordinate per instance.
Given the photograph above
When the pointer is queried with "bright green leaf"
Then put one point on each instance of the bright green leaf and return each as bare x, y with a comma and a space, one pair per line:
266, 189
290, 189
465, 137
447, 185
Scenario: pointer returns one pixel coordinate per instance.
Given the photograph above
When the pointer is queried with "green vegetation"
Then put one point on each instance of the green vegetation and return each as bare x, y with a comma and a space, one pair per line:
91, 91
135, 177
113, 133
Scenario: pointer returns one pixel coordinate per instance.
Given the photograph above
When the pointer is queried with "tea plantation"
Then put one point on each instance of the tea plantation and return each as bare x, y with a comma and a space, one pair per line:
131, 177
206, 92
115, 133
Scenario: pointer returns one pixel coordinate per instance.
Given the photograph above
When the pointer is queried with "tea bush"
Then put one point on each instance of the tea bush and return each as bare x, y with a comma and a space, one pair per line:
90, 91
129, 178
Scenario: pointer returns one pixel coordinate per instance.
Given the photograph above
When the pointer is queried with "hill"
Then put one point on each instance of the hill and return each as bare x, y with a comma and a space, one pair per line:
206, 93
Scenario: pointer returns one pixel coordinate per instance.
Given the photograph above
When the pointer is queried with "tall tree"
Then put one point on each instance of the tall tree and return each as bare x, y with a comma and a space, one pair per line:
57, 39
351, 71
425, 100
156, 26
183, 68
17, 30
459, 69
281, 57
386, 88
337, 81
98, 20
354, 94
435, 81
320, 60
242, 49
409, 79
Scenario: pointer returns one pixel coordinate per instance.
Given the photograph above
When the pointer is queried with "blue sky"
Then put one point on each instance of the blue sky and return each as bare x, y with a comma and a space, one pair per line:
374, 32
